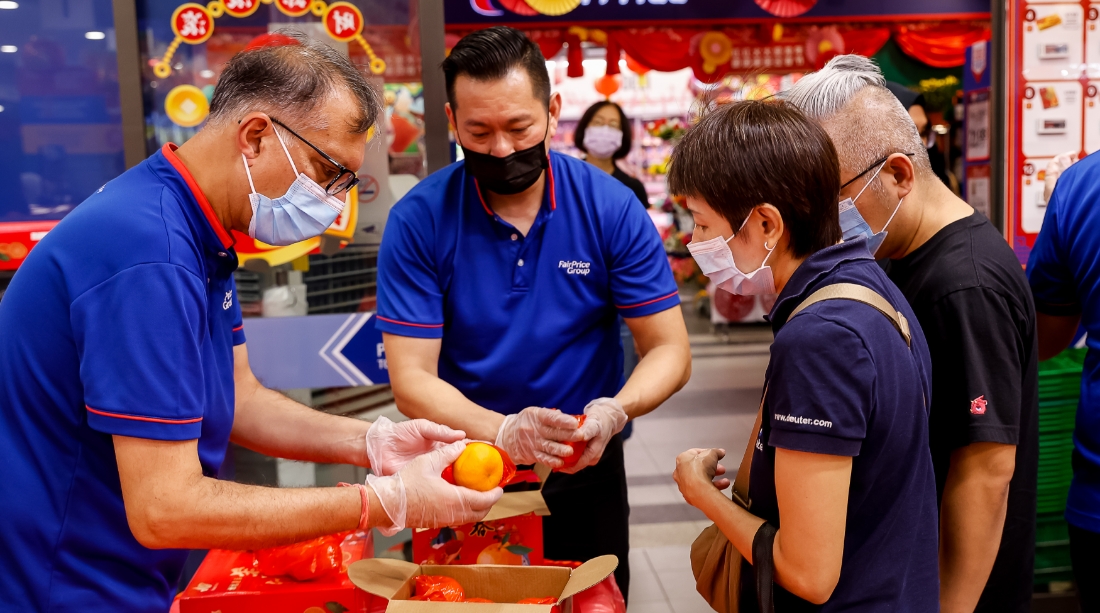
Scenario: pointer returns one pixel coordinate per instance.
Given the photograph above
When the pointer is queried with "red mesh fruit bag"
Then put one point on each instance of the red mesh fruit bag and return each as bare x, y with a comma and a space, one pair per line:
438, 589
302, 561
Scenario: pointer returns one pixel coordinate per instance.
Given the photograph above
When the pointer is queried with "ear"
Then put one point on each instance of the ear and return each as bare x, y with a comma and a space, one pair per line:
771, 222
250, 131
555, 112
899, 173
451, 117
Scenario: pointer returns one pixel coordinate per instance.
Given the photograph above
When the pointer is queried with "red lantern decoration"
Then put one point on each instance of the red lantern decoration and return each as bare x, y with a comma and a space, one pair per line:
608, 84
635, 67
786, 8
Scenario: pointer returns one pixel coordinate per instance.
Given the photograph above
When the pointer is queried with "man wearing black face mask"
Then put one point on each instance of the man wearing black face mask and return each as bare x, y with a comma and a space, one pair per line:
500, 278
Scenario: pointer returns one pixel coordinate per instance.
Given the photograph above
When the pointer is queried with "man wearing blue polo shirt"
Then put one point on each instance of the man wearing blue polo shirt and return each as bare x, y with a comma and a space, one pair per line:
500, 281
124, 372
1064, 272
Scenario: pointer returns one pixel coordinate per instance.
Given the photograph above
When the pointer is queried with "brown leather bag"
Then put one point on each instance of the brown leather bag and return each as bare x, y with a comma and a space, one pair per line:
715, 562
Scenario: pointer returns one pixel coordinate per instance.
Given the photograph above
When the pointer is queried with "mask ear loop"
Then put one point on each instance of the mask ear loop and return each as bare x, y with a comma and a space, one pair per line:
248, 173
286, 151
741, 227
869, 181
896, 209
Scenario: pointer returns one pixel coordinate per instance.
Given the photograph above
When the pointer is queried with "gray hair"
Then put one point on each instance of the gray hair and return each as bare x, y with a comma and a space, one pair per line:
290, 81
848, 97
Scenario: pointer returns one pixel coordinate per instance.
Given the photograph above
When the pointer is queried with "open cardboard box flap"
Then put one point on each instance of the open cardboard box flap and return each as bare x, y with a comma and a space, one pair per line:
512, 504
394, 581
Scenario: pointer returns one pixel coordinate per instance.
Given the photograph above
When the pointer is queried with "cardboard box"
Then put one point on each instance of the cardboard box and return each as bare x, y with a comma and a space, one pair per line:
511, 534
228, 582
515, 541
395, 580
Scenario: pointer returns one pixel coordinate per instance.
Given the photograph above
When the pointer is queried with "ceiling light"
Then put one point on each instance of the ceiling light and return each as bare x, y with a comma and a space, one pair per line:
95, 35
8, 4
206, 73
8, 49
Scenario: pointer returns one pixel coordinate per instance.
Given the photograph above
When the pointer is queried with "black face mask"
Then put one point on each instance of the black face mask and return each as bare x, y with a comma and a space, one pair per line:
511, 174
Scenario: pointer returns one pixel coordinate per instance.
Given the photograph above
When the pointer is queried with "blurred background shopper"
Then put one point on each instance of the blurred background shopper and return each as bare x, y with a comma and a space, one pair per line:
124, 370
840, 464
500, 281
604, 134
971, 297
1064, 272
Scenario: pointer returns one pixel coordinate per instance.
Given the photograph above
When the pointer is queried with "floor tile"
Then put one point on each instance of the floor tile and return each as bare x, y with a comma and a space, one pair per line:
648, 607
663, 535
670, 558
653, 495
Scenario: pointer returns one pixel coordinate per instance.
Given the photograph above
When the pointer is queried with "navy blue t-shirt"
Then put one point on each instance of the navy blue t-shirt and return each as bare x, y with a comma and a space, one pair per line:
526, 320
121, 321
841, 381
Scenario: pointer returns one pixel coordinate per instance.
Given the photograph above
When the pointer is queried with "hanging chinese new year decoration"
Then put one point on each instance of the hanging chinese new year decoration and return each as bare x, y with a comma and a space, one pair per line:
608, 84
822, 45
553, 7
786, 8
194, 24
716, 49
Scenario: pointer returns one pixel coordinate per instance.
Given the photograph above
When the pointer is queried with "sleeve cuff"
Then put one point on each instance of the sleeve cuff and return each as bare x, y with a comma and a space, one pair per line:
1006, 435
649, 307
403, 328
1057, 309
238, 335
140, 426
811, 442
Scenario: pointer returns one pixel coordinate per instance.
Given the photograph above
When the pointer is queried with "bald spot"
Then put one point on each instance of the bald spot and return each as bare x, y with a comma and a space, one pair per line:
871, 126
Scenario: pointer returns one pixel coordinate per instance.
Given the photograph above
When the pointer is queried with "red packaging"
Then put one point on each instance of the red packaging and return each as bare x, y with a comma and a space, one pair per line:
302, 561
438, 589
230, 582
578, 447
513, 541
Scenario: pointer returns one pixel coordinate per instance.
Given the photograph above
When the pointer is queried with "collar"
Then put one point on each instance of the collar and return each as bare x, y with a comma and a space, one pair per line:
169, 152
553, 192
809, 276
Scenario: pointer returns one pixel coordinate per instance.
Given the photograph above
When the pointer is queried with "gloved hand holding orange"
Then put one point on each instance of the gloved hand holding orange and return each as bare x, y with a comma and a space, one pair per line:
578, 447
481, 467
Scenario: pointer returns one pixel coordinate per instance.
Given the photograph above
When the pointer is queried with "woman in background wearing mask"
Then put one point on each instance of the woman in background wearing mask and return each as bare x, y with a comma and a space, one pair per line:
836, 492
603, 134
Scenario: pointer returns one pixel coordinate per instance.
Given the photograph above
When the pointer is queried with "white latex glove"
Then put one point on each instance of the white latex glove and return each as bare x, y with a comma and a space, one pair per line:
417, 497
605, 418
536, 435
1054, 169
392, 445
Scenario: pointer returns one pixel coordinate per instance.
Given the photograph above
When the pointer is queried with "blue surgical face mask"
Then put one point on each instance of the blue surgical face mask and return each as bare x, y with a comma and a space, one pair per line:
306, 210
852, 223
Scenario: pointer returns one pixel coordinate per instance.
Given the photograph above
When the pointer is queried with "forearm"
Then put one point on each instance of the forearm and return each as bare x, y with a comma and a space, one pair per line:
972, 518
736, 523
270, 423
423, 395
659, 374
209, 514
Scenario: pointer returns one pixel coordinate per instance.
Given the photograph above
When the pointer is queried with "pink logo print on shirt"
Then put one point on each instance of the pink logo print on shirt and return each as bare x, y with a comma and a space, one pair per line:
977, 406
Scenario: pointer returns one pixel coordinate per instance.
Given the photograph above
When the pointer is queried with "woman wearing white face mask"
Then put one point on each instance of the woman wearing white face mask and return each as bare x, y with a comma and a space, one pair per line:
835, 497
604, 135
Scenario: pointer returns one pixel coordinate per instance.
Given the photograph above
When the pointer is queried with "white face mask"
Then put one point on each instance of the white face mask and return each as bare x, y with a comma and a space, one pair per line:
304, 211
602, 141
716, 261
852, 223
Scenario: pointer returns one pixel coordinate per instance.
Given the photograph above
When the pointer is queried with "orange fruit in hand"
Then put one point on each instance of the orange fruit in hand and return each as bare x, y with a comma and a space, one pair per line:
480, 467
578, 447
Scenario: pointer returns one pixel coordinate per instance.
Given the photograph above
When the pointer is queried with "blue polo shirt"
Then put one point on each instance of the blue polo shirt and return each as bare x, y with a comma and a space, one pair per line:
122, 320
842, 382
525, 320
1064, 273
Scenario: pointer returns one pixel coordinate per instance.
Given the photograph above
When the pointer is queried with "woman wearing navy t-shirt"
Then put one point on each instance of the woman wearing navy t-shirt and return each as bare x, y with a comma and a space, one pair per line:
840, 466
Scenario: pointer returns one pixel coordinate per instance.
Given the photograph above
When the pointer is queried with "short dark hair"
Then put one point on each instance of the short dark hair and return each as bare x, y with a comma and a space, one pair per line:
289, 81
490, 54
744, 154
624, 122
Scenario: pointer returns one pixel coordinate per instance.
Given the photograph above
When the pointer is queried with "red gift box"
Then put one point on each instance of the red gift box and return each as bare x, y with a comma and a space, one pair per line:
227, 581
515, 541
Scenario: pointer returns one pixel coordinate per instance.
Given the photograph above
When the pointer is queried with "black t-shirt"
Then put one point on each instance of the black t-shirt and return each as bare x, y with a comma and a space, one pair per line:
973, 302
634, 185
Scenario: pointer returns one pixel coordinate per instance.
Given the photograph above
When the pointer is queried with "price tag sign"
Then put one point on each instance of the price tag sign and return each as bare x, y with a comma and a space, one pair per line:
977, 126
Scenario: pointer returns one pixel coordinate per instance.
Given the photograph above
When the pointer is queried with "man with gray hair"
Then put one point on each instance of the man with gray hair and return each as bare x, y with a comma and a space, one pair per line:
124, 371
973, 303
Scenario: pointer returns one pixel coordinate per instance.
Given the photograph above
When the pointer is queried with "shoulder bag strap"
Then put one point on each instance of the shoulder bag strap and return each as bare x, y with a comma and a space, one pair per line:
837, 291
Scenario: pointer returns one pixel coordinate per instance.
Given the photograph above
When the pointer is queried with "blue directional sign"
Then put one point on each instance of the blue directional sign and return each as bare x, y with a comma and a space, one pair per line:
316, 351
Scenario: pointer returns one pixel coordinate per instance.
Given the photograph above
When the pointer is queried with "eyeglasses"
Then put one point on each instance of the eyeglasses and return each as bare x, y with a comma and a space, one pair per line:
345, 179
873, 166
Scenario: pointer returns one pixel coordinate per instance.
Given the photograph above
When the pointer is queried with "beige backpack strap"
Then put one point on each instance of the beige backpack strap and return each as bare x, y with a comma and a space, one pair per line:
859, 293
741, 481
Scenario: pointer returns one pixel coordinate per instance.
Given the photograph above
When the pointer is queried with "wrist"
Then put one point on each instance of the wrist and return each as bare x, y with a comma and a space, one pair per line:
378, 517
363, 499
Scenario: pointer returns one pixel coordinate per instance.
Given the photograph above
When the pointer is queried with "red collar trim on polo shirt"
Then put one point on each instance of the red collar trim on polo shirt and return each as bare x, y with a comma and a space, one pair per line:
553, 192
169, 151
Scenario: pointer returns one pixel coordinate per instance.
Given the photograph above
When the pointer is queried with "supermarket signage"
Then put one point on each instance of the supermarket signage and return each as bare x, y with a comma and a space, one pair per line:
316, 351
